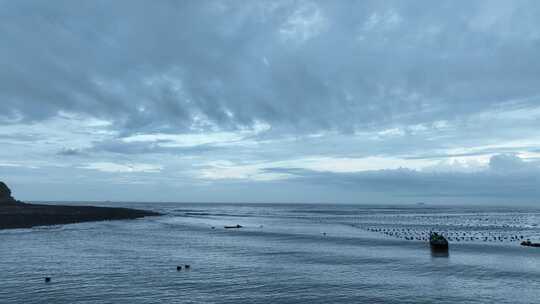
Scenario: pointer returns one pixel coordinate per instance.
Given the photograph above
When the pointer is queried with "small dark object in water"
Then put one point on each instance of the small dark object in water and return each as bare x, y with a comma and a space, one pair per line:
213, 227
187, 266
47, 280
528, 243
232, 227
437, 241
178, 268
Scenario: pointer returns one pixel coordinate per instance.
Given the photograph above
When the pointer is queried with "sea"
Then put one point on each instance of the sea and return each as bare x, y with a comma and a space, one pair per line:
284, 253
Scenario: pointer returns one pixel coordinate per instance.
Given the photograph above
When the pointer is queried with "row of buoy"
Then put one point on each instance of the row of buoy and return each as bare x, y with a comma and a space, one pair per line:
413, 234
459, 220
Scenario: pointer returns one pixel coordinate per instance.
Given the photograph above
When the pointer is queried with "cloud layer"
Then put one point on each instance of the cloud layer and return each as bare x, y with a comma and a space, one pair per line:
390, 96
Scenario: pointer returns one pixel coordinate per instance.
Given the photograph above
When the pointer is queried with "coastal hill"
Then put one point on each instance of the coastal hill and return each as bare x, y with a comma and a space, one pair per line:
5, 195
16, 214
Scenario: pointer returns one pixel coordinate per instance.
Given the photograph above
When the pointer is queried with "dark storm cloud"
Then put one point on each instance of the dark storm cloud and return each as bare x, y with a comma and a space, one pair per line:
300, 66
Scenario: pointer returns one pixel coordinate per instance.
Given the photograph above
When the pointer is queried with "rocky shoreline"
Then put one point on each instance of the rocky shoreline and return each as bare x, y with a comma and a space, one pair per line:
16, 214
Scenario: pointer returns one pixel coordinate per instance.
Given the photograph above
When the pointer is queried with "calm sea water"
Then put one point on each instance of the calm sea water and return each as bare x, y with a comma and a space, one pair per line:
284, 254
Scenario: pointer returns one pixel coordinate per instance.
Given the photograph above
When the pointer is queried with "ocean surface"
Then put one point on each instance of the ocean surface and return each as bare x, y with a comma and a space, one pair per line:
284, 254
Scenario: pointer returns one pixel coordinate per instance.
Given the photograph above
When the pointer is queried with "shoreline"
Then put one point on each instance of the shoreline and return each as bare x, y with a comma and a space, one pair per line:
23, 215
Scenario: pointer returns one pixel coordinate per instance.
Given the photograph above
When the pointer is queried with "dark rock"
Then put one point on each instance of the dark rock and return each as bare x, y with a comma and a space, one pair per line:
5, 194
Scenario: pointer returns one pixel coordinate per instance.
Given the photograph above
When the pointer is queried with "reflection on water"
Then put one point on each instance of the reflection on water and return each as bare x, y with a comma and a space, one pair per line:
283, 254
439, 253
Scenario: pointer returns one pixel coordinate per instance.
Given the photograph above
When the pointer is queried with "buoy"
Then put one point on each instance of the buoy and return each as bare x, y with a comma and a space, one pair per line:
47, 280
178, 268
187, 266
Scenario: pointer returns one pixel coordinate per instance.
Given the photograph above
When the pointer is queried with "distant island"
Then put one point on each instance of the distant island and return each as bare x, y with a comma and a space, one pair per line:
16, 214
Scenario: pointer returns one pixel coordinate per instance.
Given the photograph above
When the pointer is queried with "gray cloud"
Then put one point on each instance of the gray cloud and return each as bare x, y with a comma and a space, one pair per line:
507, 177
69, 152
252, 84
120, 147
367, 64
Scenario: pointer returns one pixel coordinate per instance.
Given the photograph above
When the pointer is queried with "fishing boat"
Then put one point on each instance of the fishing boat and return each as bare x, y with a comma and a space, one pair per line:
233, 227
437, 241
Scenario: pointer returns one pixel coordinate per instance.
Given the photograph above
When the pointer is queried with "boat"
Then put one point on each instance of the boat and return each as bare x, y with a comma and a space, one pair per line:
437, 241
528, 243
233, 227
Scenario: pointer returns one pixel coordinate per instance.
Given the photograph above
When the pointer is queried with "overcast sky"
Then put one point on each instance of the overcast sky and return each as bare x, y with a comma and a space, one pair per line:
271, 101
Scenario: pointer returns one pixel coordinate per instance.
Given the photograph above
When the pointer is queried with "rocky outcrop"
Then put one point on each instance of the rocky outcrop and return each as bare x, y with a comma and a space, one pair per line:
5, 194
15, 214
